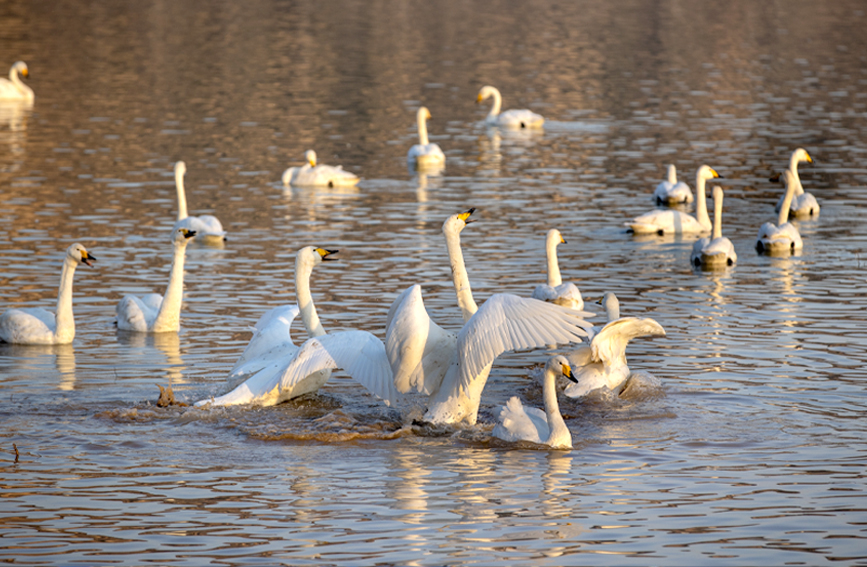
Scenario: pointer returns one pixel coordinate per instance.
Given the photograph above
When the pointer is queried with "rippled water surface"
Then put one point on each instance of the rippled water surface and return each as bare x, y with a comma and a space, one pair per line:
752, 450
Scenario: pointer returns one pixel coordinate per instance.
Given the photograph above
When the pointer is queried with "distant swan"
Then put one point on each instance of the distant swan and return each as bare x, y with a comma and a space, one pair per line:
661, 221
555, 291
13, 88
318, 175
155, 313
671, 191
206, 227
518, 423
718, 250
803, 204
782, 238
509, 118
36, 326
425, 154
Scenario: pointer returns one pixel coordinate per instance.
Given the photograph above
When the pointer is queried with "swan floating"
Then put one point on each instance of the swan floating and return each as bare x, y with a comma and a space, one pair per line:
518, 423
675, 222
671, 191
155, 313
782, 238
555, 291
717, 251
12, 88
509, 118
803, 204
206, 227
425, 155
318, 175
36, 326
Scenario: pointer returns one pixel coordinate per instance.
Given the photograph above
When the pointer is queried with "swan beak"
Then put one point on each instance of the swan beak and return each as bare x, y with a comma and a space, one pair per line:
188, 233
562, 240
25, 74
479, 98
466, 215
716, 175
809, 159
567, 372
87, 258
326, 253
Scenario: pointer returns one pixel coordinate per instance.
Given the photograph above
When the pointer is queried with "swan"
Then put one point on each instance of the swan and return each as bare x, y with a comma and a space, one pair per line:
671, 191
155, 313
667, 221
451, 369
12, 88
803, 204
555, 291
518, 423
509, 118
782, 237
36, 326
425, 154
324, 175
717, 250
206, 227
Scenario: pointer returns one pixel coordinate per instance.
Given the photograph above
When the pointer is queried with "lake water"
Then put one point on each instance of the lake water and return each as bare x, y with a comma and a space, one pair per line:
752, 450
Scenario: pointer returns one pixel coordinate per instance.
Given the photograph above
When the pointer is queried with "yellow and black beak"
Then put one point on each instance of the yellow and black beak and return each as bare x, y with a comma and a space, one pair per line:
464, 216
87, 258
716, 175
479, 98
809, 159
326, 253
25, 73
562, 240
188, 233
567, 372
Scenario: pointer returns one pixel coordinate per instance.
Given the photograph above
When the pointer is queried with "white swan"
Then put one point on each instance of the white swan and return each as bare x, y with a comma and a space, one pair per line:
454, 370
318, 175
555, 291
518, 423
425, 155
671, 191
803, 204
207, 227
509, 118
155, 313
782, 238
717, 250
12, 88
662, 221
36, 326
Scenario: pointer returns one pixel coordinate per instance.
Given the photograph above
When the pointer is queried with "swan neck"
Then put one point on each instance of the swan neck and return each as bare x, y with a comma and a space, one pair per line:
672, 174
303, 271
554, 278
422, 130
556, 425
701, 202
460, 277
717, 216
182, 196
495, 109
783, 218
64, 330
612, 311
169, 316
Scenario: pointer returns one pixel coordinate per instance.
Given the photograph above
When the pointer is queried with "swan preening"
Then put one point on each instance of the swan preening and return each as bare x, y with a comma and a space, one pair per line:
206, 227
783, 237
318, 175
661, 221
555, 291
671, 191
518, 423
155, 313
509, 118
425, 156
803, 204
716, 251
36, 326
12, 88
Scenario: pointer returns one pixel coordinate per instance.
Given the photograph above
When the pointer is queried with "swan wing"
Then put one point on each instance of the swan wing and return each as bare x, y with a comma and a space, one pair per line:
333, 176
520, 118
609, 344
518, 423
665, 221
136, 313
29, 325
271, 341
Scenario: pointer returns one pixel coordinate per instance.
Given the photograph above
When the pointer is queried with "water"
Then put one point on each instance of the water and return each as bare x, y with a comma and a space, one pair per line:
752, 449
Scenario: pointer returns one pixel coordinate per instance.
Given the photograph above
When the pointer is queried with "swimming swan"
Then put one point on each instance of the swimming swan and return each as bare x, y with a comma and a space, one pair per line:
36, 326
555, 291
155, 313
671, 191
518, 423
12, 88
667, 221
803, 204
425, 154
318, 175
207, 227
718, 250
509, 118
782, 238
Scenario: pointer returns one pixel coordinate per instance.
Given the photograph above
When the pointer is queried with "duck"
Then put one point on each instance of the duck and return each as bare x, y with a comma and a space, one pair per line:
783, 237
671, 191
716, 251
661, 221
803, 204
207, 228
425, 155
509, 118
318, 175
12, 88
555, 291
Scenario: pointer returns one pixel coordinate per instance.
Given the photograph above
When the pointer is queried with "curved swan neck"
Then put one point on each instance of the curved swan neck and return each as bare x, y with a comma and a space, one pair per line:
169, 316
64, 330
182, 197
717, 212
783, 218
554, 278
793, 167
459, 275
672, 174
303, 271
422, 128
701, 201
556, 426
612, 309
498, 101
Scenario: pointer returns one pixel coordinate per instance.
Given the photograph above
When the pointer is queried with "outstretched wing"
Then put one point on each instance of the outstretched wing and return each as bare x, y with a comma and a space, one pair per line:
271, 341
609, 344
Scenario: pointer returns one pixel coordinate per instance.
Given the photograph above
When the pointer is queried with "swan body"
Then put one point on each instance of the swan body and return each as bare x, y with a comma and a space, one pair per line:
717, 250
509, 118
154, 313
803, 204
206, 227
425, 154
36, 326
12, 88
671, 191
318, 175
676, 222
783, 237
518, 423
555, 291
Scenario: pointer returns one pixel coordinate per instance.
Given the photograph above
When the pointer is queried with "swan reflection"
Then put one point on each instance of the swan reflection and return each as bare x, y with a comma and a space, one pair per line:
168, 344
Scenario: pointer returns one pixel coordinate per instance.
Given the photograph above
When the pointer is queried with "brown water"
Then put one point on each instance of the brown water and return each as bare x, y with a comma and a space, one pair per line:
752, 450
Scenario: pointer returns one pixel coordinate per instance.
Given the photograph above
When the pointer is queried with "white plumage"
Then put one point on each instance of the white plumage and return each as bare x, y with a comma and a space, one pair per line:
555, 291
207, 227
12, 88
509, 118
783, 237
717, 251
426, 155
671, 191
321, 175
661, 221
803, 204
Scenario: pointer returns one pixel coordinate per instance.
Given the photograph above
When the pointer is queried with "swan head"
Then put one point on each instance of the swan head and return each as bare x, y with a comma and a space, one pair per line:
560, 365
486, 92
555, 237
801, 155
79, 255
181, 236
706, 172
456, 223
423, 113
21, 67
314, 255
611, 304
310, 157
180, 169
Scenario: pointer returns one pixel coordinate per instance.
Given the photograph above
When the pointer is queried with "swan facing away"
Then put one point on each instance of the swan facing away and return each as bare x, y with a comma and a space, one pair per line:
518, 423
803, 204
207, 228
425, 155
12, 88
555, 291
509, 118
716, 251
783, 237
661, 221
318, 175
36, 326
671, 191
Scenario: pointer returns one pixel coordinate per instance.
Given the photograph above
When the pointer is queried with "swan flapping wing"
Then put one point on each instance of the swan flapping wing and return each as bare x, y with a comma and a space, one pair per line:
271, 341
609, 345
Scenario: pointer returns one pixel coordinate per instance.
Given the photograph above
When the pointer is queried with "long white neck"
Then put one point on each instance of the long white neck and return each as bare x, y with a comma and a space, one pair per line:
558, 432
717, 214
422, 129
793, 167
612, 310
672, 174
701, 202
554, 278
460, 277
169, 316
64, 330
783, 218
303, 271
498, 101
182, 196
